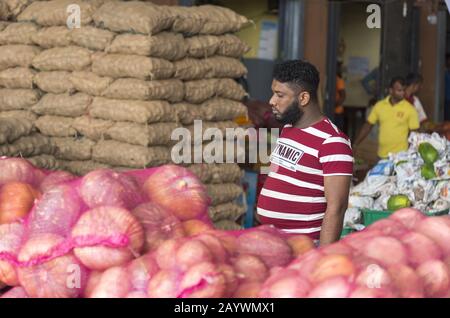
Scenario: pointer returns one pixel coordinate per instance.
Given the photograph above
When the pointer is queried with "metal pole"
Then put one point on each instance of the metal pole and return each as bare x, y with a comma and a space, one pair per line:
440, 72
291, 32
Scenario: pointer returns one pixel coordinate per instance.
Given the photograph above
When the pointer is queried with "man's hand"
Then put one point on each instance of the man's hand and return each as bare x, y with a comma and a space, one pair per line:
337, 190
363, 133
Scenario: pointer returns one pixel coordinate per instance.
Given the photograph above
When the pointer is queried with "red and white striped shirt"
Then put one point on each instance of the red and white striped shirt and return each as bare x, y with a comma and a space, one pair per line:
293, 197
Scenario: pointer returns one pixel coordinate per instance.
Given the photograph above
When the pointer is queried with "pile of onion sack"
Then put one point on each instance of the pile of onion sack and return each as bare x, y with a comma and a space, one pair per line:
146, 233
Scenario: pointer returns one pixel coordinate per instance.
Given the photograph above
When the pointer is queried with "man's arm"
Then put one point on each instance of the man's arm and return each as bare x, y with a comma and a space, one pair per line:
363, 133
337, 190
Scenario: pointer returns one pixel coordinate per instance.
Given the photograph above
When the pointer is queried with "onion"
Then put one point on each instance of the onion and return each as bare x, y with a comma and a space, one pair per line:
358, 241
337, 248
179, 190
370, 274
16, 201
105, 223
306, 263
420, 248
10, 240
60, 277
437, 229
54, 179
16, 292
231, 280
203, 280
215, 246
435, 277
229, 241
141, 270
250, 268
16, 170
331, 266
107, 187
165, 254
300, 244
137, 294
406, 281
192, 252
285, 283
159, 225
408, 217
165, 284
364, 292
389, 227
113, 283
248, 290
92, 282
56, 212
273, 250
337, 287
386, 251
195, 227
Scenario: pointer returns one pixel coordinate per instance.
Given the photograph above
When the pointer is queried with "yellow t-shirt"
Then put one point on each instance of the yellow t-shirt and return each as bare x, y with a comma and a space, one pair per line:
395, 123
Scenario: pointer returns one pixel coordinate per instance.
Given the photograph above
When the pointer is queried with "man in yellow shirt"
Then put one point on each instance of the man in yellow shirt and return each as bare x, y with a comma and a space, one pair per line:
396, 117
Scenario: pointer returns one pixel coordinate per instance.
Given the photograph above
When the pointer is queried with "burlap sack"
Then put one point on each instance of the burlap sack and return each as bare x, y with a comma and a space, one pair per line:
218, 109
135, 66
92, 38
57, 82
232, 46
18, 99
3, 24
12, 129
142, 135
223, 193
21, 114
227, 225
128, 88
57, 36
217, 173
18, 33
225, 67
192, 69
92, 128
227, 211
220, 126
133, 16
4, 15
200, 90
71, 58
72, 149
187, 21
56, 126
54, 13
166, 45
187, 113
63, 105
15, 7
33, 145
131, 110
80, 168
202, 45
89, 83
17, 55
47, 162
121, 154
230, 89
17, 77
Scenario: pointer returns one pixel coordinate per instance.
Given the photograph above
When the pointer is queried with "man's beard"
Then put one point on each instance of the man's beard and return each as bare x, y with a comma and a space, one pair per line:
291, 115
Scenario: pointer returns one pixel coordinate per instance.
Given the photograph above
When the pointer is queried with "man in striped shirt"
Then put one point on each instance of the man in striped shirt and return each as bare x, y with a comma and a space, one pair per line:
307, 189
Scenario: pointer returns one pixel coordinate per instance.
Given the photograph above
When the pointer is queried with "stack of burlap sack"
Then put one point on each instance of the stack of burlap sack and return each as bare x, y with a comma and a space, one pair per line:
110, 93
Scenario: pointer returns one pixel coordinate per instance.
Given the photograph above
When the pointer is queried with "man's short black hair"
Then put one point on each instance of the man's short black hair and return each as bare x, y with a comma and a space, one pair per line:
298, 74
413, 78
397, 79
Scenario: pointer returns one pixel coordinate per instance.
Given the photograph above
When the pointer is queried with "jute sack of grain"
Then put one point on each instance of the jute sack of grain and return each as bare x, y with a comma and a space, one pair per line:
17, 55
217, 151
187, 113
200, 90
15, 7
230, 89
56, 126
18, 33
21, 114
217, 173
132, 110
232, 46
217, 109
92, 128
17, 77
70, 58
4, 15
12, 129
227, 211
122, 154
72, 149
129, 88
56, 82
142, 135
135, 66
218, 127
92, 38
225, 67
192, 69
220, 20
187, 21
47, 162
33, 145
55, 12
202, 45
57, 36
89, 83
18, 99
166, 45
63, 105
133, 16
223, 193
3, 24
80, 168
227, 225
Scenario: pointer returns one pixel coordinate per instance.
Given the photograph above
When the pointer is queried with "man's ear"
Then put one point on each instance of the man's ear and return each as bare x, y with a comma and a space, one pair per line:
304, 99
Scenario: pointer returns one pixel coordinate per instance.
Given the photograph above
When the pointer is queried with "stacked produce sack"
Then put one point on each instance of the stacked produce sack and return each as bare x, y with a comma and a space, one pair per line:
418, 177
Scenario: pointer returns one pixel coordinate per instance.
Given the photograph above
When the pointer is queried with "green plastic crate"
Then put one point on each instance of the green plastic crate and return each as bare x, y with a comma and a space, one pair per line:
346, 231
371, 216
